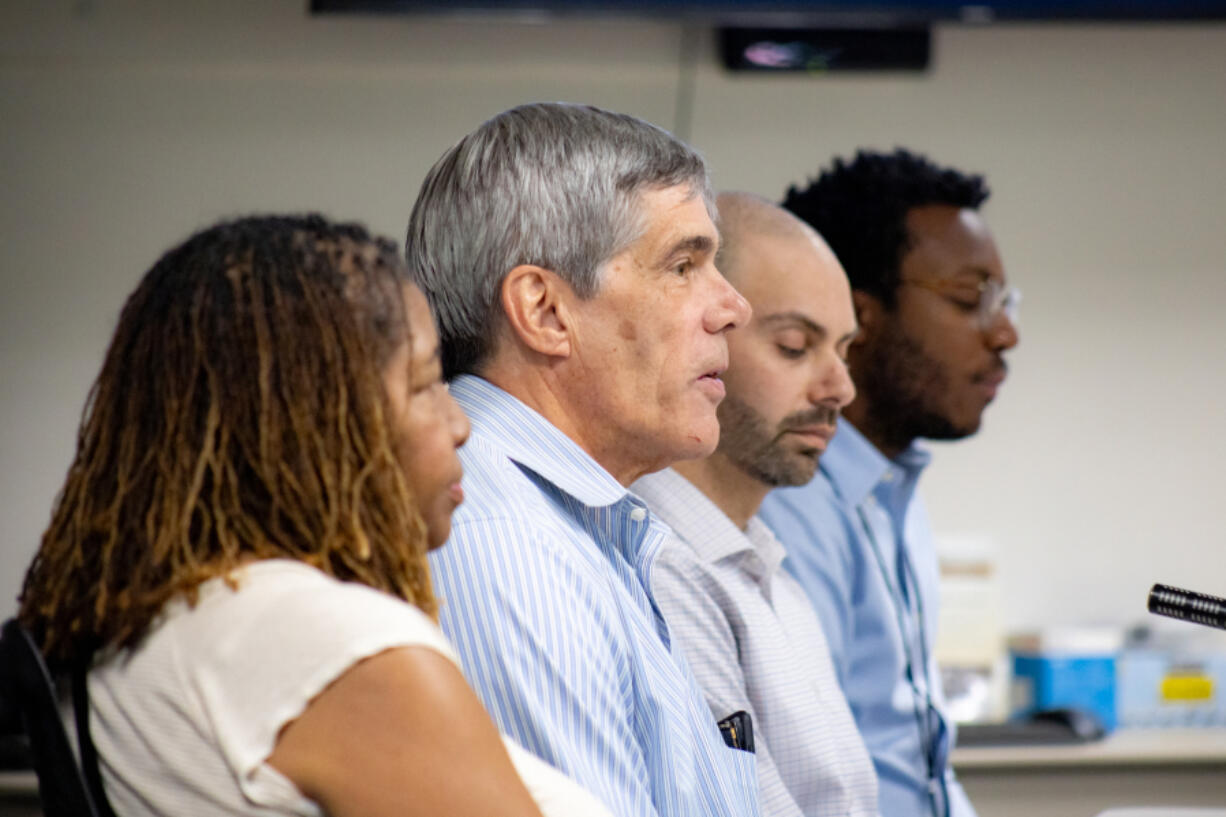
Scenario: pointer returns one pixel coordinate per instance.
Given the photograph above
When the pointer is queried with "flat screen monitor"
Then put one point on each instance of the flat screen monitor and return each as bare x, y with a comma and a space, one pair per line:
807, 12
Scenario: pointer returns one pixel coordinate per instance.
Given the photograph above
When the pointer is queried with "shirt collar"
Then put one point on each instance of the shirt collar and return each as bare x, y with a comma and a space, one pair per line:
534, 443
770, 550
707, 529
855, 467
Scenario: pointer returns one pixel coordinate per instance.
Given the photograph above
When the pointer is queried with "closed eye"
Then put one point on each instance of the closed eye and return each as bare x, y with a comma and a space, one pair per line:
965, 302
431, 378
790, 352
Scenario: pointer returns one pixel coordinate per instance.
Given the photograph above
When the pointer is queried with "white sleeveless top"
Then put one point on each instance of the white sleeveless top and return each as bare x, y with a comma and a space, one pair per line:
184, 724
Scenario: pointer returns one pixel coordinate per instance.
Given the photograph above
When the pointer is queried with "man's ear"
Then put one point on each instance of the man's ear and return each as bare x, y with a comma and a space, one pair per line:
869, 313
534, 302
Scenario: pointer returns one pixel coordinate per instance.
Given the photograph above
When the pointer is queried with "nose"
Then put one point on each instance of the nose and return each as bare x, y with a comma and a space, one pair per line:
1001, 334
833, 384
729, 308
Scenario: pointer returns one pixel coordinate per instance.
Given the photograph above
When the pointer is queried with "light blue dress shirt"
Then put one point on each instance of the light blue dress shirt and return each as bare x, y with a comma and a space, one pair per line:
544, 595
859, 542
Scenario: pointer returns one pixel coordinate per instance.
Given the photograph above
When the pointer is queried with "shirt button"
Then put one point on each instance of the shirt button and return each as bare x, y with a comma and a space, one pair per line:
638, 514
888, 476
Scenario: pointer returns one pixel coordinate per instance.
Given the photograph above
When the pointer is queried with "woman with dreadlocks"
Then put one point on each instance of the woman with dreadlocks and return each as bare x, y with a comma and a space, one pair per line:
264, 460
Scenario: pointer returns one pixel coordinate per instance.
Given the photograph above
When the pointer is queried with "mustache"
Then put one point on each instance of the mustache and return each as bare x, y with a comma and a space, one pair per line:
1000, 367
818, 415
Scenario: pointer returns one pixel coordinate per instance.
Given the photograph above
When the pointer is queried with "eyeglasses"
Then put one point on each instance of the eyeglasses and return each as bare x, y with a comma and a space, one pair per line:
991, 300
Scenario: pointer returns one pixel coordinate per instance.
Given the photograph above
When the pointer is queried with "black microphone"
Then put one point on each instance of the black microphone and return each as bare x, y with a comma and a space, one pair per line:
1186, 605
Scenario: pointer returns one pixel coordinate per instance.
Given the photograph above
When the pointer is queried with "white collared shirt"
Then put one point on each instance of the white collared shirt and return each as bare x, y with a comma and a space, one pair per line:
755, 644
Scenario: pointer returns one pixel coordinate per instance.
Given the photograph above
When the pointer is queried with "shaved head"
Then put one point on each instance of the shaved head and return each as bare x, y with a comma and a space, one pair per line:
745, 218
787, 378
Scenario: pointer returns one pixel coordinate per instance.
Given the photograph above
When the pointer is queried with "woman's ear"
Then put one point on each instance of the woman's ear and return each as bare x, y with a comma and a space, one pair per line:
534, 302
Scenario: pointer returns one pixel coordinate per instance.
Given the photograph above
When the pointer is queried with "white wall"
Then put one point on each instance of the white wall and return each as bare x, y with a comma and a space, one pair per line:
123, 126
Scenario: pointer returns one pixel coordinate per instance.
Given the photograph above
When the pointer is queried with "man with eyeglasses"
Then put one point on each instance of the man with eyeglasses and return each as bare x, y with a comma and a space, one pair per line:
936, 317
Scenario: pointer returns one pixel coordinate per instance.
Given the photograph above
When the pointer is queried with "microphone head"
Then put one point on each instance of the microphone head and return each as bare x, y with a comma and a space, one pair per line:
1187, 605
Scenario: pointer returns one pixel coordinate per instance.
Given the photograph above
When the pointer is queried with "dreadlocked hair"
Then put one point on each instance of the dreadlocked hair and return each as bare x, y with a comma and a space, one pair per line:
860, 208
239, 415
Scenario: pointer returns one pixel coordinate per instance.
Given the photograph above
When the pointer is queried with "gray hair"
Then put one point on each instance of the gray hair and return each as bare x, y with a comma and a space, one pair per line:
549, 184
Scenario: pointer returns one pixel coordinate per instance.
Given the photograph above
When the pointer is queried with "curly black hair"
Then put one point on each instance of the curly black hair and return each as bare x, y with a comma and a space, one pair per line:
860, 208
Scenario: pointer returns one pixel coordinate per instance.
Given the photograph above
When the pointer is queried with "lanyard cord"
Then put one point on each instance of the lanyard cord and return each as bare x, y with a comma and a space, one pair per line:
923, 720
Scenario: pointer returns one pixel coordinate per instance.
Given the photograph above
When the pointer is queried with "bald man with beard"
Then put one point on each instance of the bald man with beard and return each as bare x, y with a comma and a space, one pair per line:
748, 630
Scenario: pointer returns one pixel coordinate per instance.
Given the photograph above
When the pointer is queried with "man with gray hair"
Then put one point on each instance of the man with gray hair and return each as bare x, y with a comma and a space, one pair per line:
568, 254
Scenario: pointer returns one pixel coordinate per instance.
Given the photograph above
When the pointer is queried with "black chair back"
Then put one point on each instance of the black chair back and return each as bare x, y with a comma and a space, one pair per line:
26, 687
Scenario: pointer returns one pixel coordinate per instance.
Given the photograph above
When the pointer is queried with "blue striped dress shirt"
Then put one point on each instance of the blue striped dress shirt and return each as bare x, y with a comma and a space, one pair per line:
544, 595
